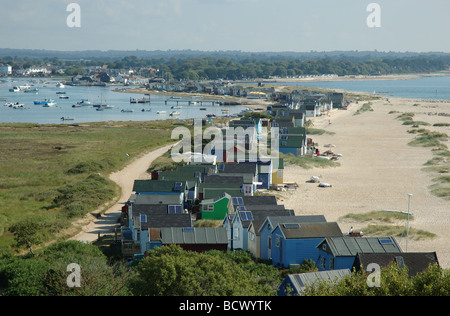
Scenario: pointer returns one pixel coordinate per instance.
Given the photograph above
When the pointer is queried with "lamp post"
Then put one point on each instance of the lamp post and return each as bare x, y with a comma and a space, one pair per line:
407, 225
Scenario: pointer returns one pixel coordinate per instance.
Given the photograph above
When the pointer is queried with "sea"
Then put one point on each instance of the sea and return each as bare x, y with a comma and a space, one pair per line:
122, 109
419, 88
437, 87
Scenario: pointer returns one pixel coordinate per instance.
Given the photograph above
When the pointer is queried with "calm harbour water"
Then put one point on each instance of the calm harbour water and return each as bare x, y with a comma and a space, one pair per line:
32, 113
421, 88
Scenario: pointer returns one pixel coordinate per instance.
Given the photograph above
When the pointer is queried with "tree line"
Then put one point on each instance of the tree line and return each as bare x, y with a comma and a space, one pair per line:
249, 66
171, 271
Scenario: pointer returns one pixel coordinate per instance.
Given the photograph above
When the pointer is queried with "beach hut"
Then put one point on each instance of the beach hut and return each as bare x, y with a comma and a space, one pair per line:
293, 243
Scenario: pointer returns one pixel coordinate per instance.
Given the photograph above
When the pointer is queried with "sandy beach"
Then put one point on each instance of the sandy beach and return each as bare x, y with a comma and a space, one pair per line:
323, 78
378, 170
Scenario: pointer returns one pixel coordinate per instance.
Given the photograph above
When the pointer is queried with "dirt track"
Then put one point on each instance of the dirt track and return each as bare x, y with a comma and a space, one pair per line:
125, 180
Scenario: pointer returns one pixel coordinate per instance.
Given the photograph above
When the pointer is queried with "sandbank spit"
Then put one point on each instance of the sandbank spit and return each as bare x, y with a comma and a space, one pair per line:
378, 170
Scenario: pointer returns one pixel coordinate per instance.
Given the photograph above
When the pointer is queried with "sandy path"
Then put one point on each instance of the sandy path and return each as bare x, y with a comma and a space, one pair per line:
378, 170
137, 169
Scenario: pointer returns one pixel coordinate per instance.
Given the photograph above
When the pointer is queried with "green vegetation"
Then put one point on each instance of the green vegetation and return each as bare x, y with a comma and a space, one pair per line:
440, 163
57, 173
170, 271
166, 271
258, 115
406, 116
231, 65
441, 124
307, 162
407, 119
386, 223
164, 163
318, 131
366, 107
394, 281
397, 231
46, 273
383, 216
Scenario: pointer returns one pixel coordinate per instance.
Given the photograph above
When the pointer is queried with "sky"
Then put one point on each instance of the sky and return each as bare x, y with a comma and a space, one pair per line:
222, 25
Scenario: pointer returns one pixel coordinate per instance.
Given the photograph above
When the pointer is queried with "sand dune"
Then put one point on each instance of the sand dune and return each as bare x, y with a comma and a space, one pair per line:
378, 170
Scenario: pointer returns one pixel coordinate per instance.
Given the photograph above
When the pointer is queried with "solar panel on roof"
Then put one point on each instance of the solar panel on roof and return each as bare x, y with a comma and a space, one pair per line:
177, 186
174, 209
385, 241
188, 229
237, 201
241, 208
246, 216
291, 226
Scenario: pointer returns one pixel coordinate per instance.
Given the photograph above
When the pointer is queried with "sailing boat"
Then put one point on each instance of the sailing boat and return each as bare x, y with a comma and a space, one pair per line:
102, 106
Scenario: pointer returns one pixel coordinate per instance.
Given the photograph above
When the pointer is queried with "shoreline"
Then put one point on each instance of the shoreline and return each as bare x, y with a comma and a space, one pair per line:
378, 169
358, 78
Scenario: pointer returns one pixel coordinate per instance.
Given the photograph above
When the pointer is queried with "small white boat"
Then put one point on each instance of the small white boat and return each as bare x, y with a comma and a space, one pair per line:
60, 85
161, 112
64, 97
16, 105
84, 103
127, 111
67, 118
176, 107
174, 113
14, 89
49, 103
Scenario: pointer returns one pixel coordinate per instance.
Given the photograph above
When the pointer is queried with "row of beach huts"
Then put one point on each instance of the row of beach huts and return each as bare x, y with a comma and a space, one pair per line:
236, 196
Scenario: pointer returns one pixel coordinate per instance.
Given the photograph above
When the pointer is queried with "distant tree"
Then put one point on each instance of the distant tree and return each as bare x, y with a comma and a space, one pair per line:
171, 271
27, 234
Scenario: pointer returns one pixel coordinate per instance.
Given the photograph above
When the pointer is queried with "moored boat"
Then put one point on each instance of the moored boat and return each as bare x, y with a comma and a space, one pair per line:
49, 103
84, 103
